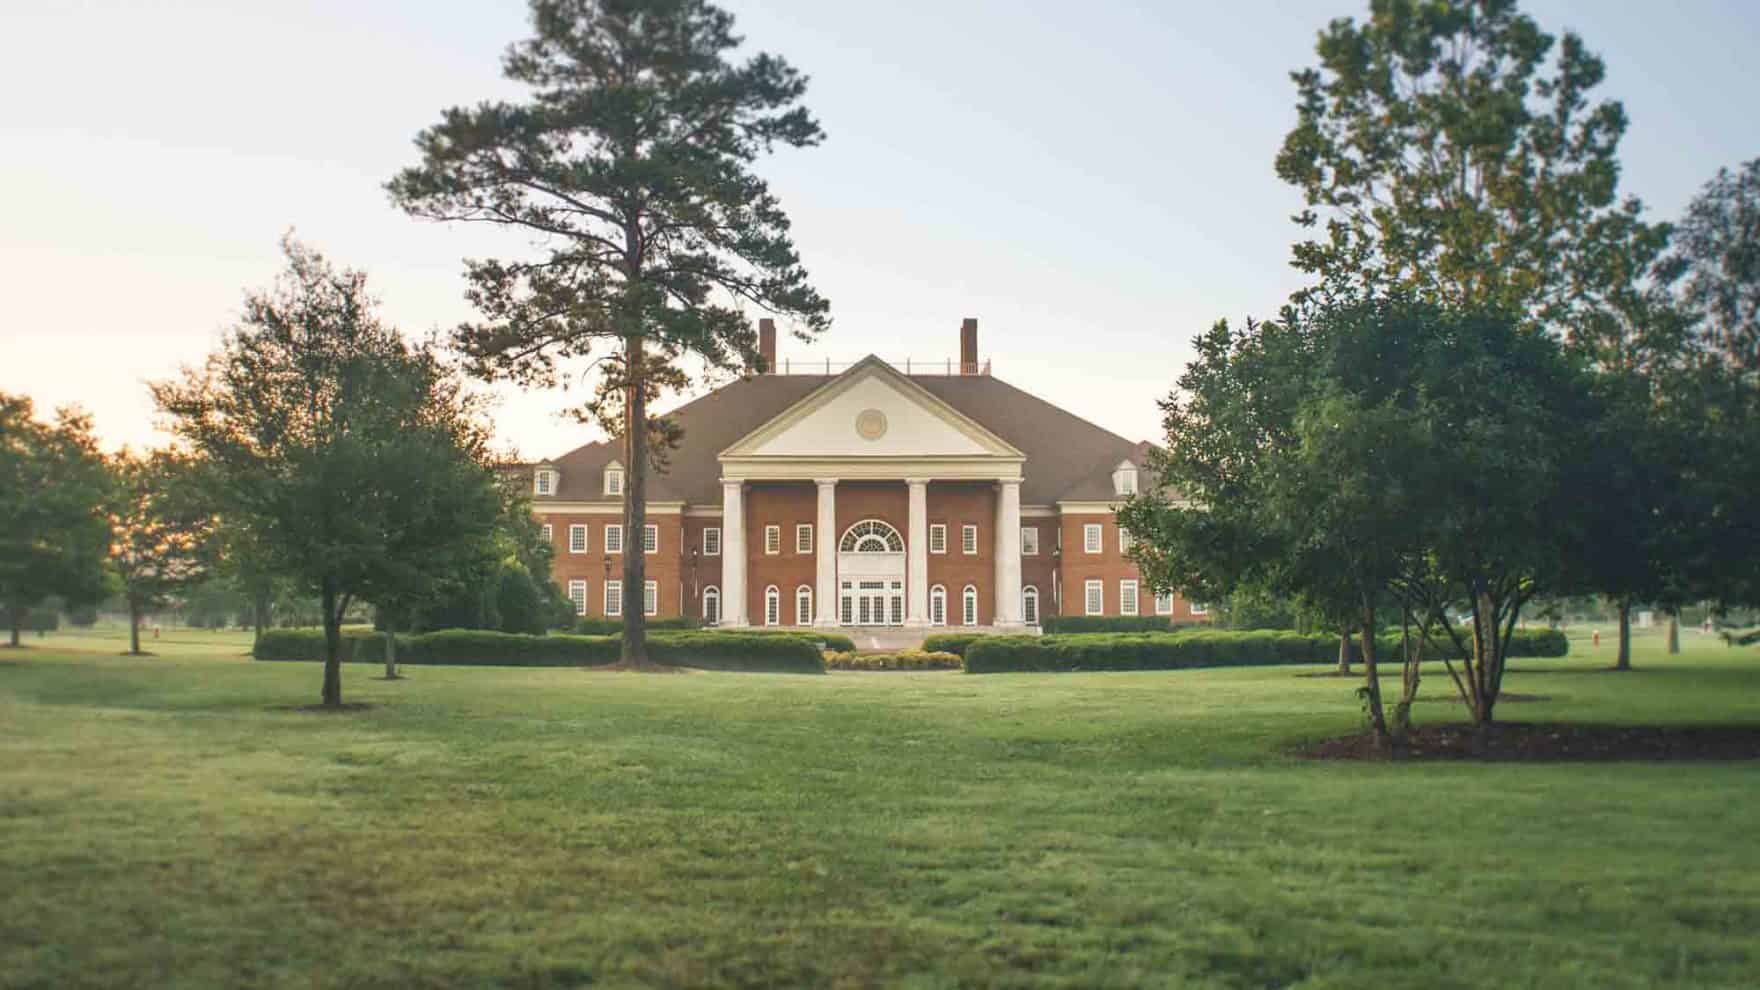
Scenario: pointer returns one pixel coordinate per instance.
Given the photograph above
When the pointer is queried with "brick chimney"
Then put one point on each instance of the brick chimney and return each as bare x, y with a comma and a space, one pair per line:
767, 344
968, 346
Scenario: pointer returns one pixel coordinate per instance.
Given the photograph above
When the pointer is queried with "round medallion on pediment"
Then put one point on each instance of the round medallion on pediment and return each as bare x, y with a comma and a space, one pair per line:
871, 424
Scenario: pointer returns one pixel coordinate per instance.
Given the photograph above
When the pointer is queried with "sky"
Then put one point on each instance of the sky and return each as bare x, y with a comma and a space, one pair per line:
1093, 182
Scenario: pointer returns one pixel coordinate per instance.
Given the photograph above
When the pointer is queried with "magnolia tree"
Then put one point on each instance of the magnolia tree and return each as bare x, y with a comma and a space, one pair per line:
354, 460
629, 167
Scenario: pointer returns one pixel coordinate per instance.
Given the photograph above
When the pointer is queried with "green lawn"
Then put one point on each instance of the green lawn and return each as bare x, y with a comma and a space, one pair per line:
180, 822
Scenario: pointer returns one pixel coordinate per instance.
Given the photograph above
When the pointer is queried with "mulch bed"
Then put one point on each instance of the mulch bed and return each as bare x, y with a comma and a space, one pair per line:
1554, 742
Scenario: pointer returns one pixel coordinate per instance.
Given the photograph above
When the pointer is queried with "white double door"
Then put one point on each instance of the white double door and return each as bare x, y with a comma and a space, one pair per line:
870, 589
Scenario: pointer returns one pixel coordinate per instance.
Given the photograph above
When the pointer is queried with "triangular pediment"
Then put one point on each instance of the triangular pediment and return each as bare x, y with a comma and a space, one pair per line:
872, 411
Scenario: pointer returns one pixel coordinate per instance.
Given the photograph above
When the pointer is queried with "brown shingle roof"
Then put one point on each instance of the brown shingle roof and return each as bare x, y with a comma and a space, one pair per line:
1067, 456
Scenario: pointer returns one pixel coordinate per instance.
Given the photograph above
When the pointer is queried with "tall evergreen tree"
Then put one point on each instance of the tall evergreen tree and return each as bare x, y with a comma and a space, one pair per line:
631, 165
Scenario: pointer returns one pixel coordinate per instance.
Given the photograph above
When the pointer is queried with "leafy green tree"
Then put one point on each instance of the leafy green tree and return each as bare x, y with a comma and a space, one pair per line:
519, 601
54, 534
357, 460
1718, 242
164, 528
1452, 157
632, 163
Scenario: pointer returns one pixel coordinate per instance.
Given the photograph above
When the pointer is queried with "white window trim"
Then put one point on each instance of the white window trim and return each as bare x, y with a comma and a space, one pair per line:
650, 530
1133, 599
544, 483
1030, 594
614, 481
586, 541
614, 599
1198, 609
580, 600
772, 539
968, 605
968, 539
803, 538
1164, 603
650, 598
549, 532
711, 594
938, 596
772, 606
1093, 537
1029, 541
1091, 589
938, 538
712, 549
803, 597
1125, 540
614, 538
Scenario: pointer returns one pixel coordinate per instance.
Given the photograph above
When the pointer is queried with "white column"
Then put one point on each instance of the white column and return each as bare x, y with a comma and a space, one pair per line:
733, 554
1008, 552
916, 599
825, 552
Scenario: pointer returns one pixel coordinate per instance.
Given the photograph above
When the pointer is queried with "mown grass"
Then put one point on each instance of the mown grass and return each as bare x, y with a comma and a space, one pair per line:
181, 821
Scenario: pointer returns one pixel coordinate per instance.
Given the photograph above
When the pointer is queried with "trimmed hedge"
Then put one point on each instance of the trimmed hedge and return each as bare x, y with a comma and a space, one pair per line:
735, 651
954, 643
596, 626
903, 660
1106, 623
1160, 651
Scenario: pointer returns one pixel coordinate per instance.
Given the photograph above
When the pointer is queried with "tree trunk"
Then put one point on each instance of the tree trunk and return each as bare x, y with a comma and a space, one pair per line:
260, 616
1623, 661
16, 617
134, 627
635, 506
1674, 633
1344, 652
332, 697
1372, 680
390, 650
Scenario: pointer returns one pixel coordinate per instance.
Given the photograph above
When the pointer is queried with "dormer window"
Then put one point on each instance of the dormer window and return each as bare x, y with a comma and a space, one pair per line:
544, 481
614, 480
1124, 479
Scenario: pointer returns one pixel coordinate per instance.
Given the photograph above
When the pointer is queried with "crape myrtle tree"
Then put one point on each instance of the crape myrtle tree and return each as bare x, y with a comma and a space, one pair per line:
1359, 455
630, 167
54, 533
1452, 150
163, 525
355, 461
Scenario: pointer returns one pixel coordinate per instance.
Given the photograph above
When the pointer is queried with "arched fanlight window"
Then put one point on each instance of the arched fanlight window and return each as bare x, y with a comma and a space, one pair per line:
1030, 605
803, 606
871, 536
969, 606
938, 606
711, 606
772, 606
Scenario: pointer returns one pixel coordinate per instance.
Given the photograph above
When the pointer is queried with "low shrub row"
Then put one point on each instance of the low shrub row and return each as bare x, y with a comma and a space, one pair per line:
954, 643
717, 650
1054, 624
903, 660
600, 626
1160, 651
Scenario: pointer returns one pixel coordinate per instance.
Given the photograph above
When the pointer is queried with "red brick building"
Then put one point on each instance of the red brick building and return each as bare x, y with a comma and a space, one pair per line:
871, 497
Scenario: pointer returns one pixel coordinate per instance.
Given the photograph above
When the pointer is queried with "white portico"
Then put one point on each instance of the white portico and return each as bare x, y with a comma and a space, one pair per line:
873, 427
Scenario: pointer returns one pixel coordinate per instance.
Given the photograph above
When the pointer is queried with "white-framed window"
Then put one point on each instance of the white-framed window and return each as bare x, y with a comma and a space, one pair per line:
1030, 605
577, 539
938, 606
1091, 538
711, 606
1199, 609
613, 599
968, 606
1127, 597
549, 532
650, 538
577, 593
968, 538
1125, 540
1127, 481
772, 606
712, 541
650, 598
1029, 541
1164, 603
1094, 593
938, 538
803, 606
614, 481
772, 539
846, 609
803, 538
614, 538
544, 483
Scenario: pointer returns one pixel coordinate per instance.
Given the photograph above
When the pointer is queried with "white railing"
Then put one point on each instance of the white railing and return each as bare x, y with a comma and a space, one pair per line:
910, 366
